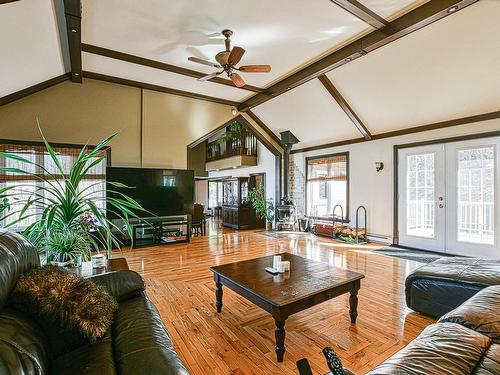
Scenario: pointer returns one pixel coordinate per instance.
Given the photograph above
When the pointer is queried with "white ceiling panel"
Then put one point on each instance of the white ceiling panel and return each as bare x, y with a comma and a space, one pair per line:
135, 72
391, 9
310, 113
447, 70
29, 45
283, 33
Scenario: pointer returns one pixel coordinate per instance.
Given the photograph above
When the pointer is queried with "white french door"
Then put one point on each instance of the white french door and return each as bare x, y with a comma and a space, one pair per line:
448, 197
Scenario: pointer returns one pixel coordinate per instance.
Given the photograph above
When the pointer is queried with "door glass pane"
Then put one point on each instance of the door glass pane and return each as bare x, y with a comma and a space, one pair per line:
420, 195
475, 195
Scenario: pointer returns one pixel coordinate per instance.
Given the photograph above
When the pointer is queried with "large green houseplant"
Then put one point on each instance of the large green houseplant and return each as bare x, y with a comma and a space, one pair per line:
263, 208
62, 202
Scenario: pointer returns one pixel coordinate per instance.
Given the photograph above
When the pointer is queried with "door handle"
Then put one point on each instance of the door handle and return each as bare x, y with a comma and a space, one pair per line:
440, 205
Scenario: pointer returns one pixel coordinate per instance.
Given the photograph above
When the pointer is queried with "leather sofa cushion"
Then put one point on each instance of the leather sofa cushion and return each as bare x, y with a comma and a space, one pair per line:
17, 256
89, 359
141, 341
441, 349
481, 313
22, 345
468, 270
490, 364
122, 285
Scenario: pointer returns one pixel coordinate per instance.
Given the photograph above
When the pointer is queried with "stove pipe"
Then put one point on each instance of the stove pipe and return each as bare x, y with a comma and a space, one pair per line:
287, 140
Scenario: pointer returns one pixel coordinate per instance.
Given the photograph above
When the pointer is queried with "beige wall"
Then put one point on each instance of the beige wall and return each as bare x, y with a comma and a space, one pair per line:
172, 122
73, 113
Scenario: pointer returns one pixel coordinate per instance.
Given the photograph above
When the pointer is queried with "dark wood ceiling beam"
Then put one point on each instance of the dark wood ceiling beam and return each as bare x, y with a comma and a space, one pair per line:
160, 65
420, 17
7, 1
33, 89
148, 86
73, 15
264, 127
416, 129
363, 13
345, 107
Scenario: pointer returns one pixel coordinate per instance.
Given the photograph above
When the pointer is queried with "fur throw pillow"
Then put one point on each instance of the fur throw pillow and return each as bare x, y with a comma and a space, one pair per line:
66, 300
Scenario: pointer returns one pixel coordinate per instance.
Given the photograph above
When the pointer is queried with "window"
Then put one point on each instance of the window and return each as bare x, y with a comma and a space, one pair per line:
37, 153
327, 185
214, 194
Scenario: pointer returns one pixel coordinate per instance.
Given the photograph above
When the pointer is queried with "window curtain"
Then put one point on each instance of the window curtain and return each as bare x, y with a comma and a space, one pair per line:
327, 185
37, 153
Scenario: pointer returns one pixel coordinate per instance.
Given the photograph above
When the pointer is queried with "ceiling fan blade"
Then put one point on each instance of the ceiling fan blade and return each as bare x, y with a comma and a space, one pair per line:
237, 80
235, 55
209, 76
255, 68
204, 62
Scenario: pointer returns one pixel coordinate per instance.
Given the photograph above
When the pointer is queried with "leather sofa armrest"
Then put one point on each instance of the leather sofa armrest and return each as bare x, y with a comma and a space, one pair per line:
480, 313
122, 285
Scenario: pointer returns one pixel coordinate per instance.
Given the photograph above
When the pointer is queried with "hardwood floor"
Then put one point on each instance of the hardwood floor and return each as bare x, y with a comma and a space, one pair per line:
240, 340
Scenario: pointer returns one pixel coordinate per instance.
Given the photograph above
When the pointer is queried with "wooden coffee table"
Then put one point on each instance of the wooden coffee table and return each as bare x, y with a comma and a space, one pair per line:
307, 284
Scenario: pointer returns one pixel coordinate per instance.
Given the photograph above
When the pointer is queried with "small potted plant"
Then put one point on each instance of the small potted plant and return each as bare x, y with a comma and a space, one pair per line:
263, 208
67, 246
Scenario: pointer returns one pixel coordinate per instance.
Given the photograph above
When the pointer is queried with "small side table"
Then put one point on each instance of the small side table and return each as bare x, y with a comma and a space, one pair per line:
86, 270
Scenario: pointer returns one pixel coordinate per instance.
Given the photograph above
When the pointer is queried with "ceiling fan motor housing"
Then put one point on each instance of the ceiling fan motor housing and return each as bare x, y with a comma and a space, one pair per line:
222, 57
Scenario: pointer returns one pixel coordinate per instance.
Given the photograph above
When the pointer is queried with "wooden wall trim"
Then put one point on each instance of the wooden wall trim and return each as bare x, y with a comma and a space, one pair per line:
73, 15
337, 96
264, 127
160, 65
34, 89
361, 12
404, 25
148, 86
416, 129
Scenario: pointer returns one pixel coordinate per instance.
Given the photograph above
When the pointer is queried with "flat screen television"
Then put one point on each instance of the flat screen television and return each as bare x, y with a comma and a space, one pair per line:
163, 192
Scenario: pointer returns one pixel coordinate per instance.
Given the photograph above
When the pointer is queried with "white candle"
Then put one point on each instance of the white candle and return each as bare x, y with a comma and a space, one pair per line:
276, 261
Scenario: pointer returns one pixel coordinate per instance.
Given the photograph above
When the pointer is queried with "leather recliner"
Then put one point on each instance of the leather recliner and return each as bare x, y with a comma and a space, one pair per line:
137, 342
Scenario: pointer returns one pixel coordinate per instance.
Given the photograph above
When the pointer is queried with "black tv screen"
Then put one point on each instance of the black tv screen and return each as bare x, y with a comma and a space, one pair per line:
163, 192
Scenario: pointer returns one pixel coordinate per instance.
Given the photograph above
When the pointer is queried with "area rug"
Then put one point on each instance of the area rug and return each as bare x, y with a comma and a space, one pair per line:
285, 234
421, 256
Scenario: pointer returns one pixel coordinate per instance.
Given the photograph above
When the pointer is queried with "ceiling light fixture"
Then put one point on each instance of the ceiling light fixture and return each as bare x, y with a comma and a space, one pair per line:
348, 59
73, 30
452, 9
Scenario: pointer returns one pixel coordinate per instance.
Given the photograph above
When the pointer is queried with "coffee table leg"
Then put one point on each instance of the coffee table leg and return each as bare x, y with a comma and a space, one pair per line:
279, 334
353, 302
218, 294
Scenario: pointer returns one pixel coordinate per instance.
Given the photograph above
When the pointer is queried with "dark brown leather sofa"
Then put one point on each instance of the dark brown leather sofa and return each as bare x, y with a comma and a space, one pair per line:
464, 341
136, 344
438, 287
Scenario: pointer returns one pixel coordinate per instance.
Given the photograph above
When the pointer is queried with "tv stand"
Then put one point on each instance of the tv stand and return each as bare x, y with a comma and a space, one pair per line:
160, 230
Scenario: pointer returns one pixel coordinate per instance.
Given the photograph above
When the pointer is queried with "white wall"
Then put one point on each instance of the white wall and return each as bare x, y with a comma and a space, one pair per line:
265, 164
374, 189
201, 192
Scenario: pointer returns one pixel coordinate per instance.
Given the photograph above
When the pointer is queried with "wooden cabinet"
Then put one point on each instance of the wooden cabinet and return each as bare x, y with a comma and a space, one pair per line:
235, 205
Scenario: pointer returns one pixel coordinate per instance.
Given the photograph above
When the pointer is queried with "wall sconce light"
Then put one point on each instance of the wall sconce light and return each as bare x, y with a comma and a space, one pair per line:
379, 166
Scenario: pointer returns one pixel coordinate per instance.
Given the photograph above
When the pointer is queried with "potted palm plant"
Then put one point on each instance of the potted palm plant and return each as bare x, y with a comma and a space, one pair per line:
61, 229
263, 208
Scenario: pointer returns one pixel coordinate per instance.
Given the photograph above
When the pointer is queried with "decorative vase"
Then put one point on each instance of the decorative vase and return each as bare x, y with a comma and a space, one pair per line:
269, 225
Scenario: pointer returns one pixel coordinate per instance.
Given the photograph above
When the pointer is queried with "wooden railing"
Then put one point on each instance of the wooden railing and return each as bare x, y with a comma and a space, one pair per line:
239, 143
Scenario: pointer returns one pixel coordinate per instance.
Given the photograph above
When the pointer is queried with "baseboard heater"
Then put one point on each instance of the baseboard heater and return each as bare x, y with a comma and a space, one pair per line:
380, 238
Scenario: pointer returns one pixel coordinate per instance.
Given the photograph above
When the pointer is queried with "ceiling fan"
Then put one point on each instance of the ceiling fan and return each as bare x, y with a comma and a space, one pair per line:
226, 60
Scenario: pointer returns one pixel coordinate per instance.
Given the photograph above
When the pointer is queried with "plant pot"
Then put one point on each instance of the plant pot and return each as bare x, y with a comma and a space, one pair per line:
269, 225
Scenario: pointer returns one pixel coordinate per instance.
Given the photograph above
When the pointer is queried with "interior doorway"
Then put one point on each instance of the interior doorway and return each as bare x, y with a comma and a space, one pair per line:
448, 198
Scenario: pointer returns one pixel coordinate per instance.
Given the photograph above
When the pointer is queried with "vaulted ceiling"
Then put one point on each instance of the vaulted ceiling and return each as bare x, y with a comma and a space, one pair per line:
341, 69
